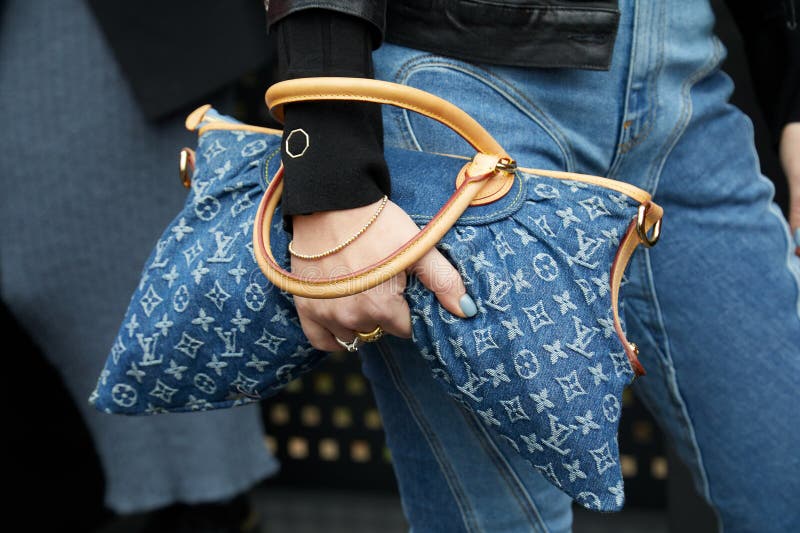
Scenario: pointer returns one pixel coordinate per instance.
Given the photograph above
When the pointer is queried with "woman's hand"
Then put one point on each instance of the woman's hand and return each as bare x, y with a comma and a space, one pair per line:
385, 306
790, 160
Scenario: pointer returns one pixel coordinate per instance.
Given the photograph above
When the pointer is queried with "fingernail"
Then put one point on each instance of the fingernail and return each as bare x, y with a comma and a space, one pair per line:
797, 236
468, 306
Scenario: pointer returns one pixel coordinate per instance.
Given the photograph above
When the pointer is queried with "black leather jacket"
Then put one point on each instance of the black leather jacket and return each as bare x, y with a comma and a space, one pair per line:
528, 33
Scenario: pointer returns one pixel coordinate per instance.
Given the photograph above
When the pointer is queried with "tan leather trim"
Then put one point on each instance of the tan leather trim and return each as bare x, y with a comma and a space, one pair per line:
627, 246
409, 253
495, 188
196, 117
620, 186
473, 186
481, 169
223, 125
383, 92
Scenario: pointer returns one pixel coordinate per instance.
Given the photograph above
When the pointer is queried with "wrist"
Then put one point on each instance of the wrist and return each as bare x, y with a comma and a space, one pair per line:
324, 228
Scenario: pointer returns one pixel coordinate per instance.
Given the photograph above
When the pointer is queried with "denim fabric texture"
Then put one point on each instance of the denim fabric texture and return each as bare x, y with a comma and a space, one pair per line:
540, 364
714, 307
205, 329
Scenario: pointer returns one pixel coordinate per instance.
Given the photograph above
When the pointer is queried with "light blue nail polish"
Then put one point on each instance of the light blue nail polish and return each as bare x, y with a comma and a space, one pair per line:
797, 236
468, 306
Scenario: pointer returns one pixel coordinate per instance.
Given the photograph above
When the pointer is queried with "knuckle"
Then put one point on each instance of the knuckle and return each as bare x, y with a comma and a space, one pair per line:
349, 318
384, 314
327, 313
302, 305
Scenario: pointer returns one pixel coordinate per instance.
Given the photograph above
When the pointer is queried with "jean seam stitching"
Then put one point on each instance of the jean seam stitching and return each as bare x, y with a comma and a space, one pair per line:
401, 118
671, 141
452, 480
651, 184
519, 491
535, 113
513, 206
791, 258
674, 386
687, 110
773, 209
623, 147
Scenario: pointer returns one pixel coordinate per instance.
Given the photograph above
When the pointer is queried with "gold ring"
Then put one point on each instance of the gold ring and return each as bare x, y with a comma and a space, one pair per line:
372, 336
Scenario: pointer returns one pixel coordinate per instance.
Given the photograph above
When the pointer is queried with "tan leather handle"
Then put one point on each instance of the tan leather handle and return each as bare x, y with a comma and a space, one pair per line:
635, 235
415, 248
383, 92
475, 173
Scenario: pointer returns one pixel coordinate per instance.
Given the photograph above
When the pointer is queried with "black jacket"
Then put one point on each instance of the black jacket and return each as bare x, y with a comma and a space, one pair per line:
174, 53
558, 33
525, 33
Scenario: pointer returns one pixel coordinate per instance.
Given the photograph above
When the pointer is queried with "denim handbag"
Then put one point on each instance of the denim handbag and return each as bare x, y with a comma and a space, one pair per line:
544, 362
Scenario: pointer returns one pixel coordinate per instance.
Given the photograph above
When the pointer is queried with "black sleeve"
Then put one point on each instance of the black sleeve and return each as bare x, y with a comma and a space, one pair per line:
771, 38
334, 159
371, 12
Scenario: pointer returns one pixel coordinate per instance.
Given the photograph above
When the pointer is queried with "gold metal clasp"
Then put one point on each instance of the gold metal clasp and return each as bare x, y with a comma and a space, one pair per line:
186, 166
506, 164
641, 228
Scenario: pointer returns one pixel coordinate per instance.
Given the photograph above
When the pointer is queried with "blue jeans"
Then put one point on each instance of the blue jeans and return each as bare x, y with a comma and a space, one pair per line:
714, 308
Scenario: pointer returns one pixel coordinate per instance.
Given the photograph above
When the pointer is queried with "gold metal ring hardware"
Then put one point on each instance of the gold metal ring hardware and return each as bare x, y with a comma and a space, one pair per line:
635, 350
186, 166
641, 229
506, 164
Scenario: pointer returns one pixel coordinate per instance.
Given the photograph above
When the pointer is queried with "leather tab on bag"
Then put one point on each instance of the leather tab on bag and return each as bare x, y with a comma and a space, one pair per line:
496, 185
196, 117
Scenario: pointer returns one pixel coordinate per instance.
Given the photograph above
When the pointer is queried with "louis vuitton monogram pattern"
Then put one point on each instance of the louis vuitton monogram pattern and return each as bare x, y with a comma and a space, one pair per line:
540, 364
205, 329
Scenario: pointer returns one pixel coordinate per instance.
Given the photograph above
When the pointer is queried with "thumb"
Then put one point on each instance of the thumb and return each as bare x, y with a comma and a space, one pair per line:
438, 275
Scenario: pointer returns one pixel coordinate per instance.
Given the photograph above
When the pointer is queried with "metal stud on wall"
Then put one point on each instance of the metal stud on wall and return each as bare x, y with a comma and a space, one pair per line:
327, 432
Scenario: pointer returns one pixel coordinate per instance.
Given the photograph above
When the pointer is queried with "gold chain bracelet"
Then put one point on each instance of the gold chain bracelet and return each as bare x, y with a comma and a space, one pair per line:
345, 243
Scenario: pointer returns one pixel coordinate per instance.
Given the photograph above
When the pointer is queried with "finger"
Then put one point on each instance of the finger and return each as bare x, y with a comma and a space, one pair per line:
388, 306
351, 314
438, 275
391, 313
319, 337
395, 317
345, 334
